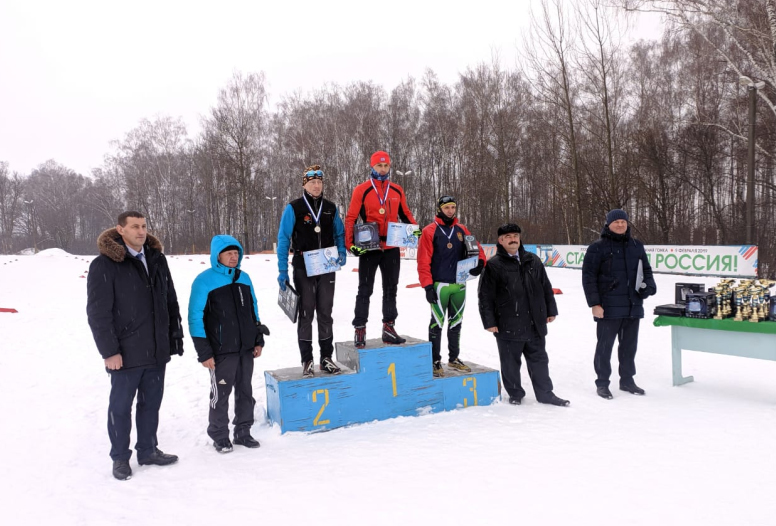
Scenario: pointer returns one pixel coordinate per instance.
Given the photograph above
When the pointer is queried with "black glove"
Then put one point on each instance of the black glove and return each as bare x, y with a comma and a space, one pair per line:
263, 330
176, 346
647, 292
431, 295
476, 271
357, 251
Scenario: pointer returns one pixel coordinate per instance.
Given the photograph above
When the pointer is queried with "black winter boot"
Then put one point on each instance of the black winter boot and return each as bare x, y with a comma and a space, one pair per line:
359, 339
604, 392
390, 335
158, 458
552, 399
121, 470
632, 389
247, 441
223, 446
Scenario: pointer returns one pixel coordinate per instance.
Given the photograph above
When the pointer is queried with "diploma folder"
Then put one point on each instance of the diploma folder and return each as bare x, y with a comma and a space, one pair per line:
288, 300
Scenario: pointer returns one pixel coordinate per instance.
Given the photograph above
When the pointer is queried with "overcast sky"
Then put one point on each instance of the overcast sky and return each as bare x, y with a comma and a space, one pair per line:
76, 74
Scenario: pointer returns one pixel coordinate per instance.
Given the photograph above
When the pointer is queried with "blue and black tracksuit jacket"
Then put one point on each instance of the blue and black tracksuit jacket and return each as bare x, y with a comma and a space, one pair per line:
223, 314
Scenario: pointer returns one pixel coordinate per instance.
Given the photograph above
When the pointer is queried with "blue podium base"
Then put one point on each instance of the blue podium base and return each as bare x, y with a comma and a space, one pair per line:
378, 382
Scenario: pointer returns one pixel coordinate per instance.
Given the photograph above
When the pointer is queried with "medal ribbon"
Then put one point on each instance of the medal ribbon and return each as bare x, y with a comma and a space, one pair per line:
383, 199
310, 208
450, 235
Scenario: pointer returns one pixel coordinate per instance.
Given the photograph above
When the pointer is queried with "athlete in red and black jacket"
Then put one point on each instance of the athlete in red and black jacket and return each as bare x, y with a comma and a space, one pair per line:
381, 201
441, 248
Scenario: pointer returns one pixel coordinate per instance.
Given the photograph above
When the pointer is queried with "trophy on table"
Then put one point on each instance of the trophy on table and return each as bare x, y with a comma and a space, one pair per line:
739, 304
729, 287
754, 294
720, 291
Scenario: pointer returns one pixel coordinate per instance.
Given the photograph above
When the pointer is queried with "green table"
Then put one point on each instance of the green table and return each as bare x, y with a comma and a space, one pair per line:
734, 338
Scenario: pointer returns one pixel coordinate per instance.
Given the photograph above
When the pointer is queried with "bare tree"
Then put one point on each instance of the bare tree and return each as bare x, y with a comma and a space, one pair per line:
550, 51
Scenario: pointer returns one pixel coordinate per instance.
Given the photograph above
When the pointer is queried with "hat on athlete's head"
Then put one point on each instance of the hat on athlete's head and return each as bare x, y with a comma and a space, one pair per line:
616, 215
312, 172
380, 157
230, 247
445, 200
509, 228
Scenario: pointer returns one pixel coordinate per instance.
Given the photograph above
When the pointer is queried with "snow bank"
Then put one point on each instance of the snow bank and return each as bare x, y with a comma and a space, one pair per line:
52, 252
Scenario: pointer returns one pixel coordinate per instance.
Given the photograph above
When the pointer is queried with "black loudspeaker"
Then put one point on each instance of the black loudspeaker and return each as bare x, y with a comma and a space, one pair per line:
700, 305
682, 289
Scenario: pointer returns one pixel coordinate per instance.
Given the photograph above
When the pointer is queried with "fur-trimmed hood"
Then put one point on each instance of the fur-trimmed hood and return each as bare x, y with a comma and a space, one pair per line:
110, 244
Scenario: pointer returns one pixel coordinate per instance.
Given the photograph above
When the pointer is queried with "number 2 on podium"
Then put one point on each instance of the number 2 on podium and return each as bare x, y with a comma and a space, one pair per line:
392, 372
325, 393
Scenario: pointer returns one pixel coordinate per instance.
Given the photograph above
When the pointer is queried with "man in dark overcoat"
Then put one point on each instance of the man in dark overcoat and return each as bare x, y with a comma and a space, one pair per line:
516, 304
135, 320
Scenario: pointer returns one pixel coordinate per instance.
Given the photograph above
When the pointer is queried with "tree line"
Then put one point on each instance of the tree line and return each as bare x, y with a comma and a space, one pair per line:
581, 124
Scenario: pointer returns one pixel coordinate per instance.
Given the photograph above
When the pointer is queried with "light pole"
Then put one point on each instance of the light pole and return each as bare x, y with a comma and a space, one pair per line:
191, 229
274, 217
31, 211
752, 87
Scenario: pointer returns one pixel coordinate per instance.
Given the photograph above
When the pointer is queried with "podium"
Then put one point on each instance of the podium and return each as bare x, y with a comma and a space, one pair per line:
377, 382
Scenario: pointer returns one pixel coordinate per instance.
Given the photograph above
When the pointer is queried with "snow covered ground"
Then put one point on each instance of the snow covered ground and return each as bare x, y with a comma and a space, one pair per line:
696, 454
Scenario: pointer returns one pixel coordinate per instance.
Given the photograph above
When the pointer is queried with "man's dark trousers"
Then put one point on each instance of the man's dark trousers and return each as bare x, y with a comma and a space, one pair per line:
536, 360
626, 330
389, 262
232, 370
316, 298
149, 385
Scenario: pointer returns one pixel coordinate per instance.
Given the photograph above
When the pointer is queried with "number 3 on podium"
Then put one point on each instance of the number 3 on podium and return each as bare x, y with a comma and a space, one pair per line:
473, 389
325, 393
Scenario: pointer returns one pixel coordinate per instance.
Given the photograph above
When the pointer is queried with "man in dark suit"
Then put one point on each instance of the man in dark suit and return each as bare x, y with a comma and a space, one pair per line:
135, 320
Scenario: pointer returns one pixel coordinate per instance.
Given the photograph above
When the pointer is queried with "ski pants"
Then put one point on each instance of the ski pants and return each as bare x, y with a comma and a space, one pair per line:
626, 331
232, 370
536, 360
124, 384
389, 263
451, 303
316, 297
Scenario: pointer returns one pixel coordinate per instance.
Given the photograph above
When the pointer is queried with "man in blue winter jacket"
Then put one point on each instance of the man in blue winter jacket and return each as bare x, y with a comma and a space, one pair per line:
227, 334
617, 277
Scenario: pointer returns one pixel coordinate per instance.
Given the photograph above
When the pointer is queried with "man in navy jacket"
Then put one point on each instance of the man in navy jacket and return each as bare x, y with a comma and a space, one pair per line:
135, 320
616, 277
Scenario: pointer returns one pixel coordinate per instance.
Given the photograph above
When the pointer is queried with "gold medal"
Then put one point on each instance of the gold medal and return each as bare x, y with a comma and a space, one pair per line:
449, 245
382, 211
317, 229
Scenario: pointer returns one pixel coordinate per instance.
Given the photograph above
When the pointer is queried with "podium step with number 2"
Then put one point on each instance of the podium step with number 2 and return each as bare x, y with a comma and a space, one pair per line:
378, 382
